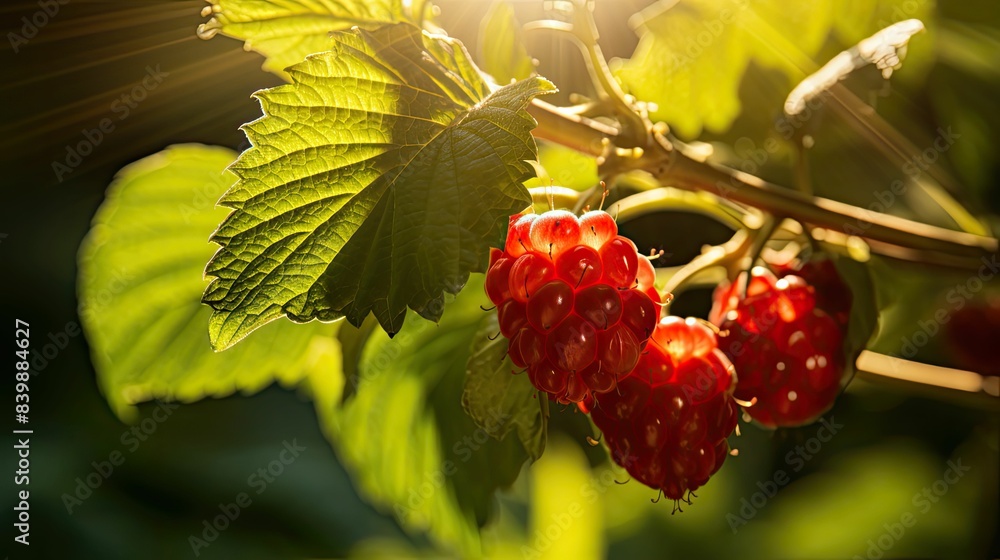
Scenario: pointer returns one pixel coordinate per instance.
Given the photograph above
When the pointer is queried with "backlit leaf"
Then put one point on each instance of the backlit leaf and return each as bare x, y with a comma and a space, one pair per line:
377, 181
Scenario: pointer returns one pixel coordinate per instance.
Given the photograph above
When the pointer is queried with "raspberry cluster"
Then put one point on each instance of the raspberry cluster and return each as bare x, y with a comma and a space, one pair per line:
668, 422
577, 304
575, 300
786, 342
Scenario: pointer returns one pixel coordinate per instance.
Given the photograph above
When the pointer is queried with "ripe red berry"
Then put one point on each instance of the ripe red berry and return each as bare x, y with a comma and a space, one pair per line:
639, 314
531, 345
555, 231
618, 351
518, 235
600, 304
667, 423
498, 280
512, 316
579, 265
597, 228
550, 305
528, 273
646, 275
577, 329
572, 345
833, 295
620, 261
788, 351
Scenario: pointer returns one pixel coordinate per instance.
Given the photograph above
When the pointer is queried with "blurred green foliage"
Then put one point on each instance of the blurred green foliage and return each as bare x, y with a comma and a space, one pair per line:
141, 280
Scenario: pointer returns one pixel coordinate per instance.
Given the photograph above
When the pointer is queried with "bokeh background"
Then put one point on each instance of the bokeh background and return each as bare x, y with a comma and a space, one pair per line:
849, 493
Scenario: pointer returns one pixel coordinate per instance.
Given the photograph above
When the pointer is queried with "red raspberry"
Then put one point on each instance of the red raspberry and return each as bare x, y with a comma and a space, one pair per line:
788, 351
832, 293
574, 300
668, 422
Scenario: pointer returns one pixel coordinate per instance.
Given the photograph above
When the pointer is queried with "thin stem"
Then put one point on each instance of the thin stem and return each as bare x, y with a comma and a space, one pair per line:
674, 164
653, 197
543, 405
935, 380
559, 197
578, 133
719, 255
583, 31
759, 239
677, 168
901, 152
803, 176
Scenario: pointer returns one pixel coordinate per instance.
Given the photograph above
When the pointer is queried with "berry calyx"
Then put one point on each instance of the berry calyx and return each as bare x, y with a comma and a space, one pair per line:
667, 423
788, 351
569, 302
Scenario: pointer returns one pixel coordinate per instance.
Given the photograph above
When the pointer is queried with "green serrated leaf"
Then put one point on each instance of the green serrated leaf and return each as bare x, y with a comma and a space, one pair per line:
140, 285
405, 438
378, 180
497, 400
501, 45
286, 31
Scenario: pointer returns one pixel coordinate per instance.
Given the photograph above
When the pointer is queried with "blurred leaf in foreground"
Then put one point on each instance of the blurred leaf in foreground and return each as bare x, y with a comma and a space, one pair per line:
402, 433
140, 285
